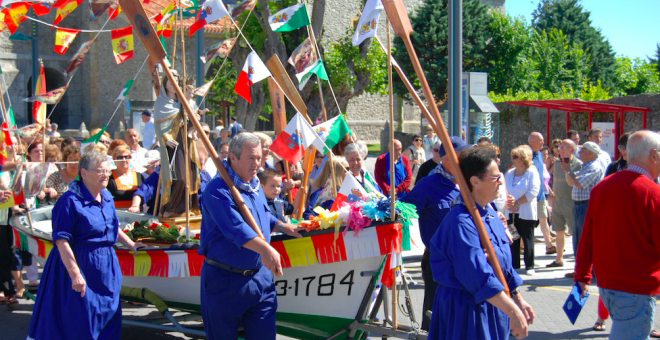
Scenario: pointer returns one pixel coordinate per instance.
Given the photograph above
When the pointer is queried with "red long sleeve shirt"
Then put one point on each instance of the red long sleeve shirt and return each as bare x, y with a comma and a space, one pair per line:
380, 174
621, 235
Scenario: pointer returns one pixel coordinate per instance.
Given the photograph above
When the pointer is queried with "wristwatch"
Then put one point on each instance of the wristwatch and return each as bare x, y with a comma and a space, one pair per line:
515, 292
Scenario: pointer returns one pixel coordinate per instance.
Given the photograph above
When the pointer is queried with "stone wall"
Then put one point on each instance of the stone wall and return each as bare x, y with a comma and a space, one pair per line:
516, 122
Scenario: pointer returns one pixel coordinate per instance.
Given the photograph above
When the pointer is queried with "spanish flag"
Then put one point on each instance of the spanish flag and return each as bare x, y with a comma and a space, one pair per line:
63, 38
64, 7
122, 43
39, 108
14, 15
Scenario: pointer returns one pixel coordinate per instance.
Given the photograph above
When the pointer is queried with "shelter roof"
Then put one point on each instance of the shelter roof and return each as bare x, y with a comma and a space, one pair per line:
577, 105
155, 6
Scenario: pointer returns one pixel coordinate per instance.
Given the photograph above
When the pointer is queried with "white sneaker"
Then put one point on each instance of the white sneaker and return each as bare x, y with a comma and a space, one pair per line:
530, 272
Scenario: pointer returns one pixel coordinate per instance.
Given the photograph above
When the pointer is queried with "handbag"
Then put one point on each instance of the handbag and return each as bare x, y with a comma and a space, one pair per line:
512, 230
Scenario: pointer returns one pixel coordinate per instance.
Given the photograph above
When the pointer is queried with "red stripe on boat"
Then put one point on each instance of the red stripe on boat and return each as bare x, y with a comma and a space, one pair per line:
279, 246
326, 252
194, 262
388, 234
126, 262
159, 263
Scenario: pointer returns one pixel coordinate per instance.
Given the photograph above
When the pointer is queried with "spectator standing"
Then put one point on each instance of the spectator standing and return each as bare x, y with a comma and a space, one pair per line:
148, 130
604, 158
132, 139
429, 141
223, 137
622, 162
523, 184
582, 182
235, 126
430, 164
402, 171
416, 156
535, 141
575, 137
562, 201
627, 263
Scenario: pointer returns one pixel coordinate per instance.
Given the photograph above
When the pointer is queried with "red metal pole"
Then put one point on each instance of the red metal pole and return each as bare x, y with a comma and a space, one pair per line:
622, 125
617, 128
568, 121
644, 119
547, 128
590, 116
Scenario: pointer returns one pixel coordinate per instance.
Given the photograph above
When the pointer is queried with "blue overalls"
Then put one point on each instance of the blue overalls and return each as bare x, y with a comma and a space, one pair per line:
230, 299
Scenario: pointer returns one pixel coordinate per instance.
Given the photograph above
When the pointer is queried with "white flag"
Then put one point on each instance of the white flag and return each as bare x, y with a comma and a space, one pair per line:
368, 23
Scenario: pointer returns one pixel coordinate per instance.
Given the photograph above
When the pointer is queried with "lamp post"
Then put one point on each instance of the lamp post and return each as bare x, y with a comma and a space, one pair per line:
34, 37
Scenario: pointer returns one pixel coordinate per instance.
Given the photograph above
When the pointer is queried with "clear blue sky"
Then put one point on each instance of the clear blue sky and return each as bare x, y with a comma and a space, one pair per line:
631, 26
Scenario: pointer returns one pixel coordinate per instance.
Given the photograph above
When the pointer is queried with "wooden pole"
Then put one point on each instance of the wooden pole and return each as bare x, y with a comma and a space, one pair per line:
186, 151
176, 30
392, 160
323, 112
398, 16
147, 34
279, 120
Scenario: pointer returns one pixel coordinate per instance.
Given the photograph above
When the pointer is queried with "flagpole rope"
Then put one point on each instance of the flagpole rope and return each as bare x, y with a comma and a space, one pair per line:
201, 104
134, 78
55, 26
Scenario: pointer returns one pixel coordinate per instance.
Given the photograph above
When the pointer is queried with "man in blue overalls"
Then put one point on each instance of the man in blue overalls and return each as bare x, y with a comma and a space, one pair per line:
237, 275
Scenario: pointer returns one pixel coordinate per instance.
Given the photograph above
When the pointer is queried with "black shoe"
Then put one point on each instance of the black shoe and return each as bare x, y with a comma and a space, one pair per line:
555, 264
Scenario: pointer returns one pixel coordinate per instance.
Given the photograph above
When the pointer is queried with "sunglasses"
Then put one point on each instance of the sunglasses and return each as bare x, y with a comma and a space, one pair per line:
123, 157
417, 140
499, 156
514, 156
106, 142
436, 150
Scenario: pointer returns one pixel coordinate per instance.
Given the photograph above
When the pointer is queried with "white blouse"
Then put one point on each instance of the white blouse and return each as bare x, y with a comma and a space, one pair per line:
527, 185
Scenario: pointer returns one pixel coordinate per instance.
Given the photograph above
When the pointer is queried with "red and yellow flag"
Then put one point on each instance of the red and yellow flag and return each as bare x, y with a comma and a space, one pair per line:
122, 43
63, 38
114, 11
39, 108
14, 15
64, 7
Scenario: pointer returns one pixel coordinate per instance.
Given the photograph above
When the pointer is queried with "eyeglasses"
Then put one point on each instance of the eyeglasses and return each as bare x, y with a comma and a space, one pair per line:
119, 158
514, 156
499, 156
417, 140
106, 142
436, 150
495, 177
622, 147
101, 172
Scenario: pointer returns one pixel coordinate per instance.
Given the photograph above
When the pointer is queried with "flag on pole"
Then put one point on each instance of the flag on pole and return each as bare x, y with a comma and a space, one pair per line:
114, 11
368, 22
204, 89
296, 136
237, 8
318, 68
124, 91
89, 143
289, 19
50, 97
39, 108
122, 43
350, 191
78, 58
220, 49
164, 27
64, 7
331, 132
212, 10
97, 7
63, 38
9, 123
253, 72
165, 12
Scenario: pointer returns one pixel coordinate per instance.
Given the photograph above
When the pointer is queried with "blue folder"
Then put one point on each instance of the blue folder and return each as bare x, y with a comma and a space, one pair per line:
574, 303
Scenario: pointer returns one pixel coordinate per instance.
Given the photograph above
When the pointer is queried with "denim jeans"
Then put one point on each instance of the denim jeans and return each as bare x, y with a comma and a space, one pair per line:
632, 314
579, 211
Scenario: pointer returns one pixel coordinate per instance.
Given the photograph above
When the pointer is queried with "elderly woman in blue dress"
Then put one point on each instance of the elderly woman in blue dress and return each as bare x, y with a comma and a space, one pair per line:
470, 302
82, 277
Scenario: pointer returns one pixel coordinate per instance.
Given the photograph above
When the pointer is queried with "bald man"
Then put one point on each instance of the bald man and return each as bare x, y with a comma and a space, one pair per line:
132, 139
535, 141
402, 170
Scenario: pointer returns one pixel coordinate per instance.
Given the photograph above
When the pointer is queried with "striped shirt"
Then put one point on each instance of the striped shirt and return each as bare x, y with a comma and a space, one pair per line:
590, 174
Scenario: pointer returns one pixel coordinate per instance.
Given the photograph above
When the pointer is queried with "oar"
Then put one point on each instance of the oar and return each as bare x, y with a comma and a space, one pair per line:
138, 18
398, 16
279, 119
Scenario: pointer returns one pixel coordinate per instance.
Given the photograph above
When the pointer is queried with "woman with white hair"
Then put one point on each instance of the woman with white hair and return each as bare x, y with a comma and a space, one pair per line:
354, 158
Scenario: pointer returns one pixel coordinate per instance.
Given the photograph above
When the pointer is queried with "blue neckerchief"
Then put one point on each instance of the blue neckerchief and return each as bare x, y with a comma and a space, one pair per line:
399, 171
440, 170
252, 186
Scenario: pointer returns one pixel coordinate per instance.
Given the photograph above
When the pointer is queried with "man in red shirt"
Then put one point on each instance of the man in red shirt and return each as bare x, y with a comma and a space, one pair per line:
620, 238
402, 171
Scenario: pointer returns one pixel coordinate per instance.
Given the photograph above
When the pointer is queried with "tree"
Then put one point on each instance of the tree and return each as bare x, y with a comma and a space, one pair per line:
570, 17
429, 37
509, 67
656, 60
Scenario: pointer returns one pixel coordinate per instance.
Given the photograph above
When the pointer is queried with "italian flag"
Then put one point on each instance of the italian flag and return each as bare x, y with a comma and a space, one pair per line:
122, 43
350, 191
253, 71
297, 136
63, 38
124, 91
89, 143
331, 132
289, 19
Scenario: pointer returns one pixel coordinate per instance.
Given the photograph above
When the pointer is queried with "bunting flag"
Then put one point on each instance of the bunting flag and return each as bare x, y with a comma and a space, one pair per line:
165, 12
164, 27
212, 10
204, 89
3, 25
289, 19
97, 7
41, 7
6, 125
14, 15
31, 130
331, 132
64, 7
220, 49
39, 108
253, 72
124, 91
78, 58
122, 43
296, 136
89, 143
114, 11
350, 191
239, 6
51, 97
63, 38
318, 68
368, 23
